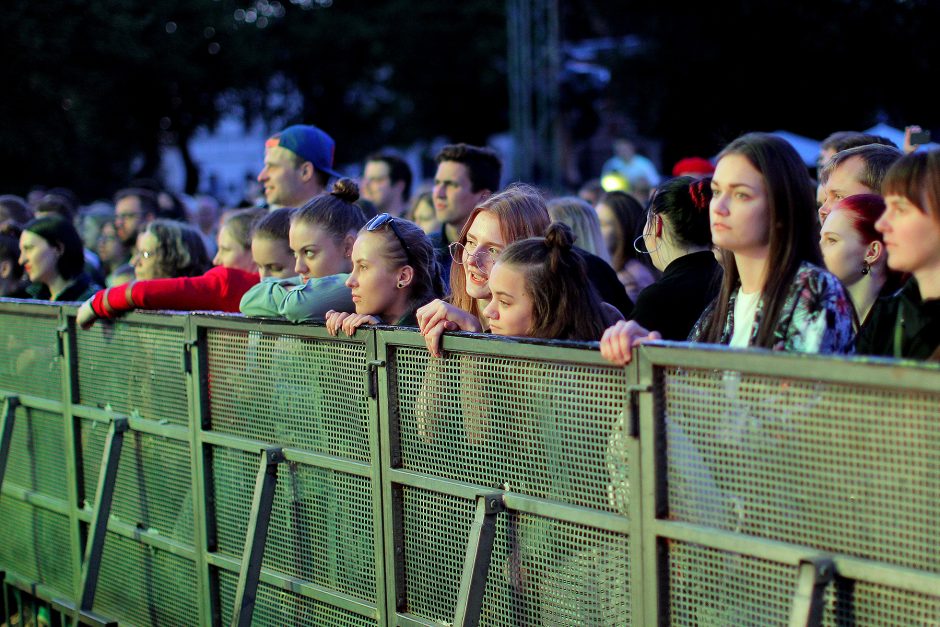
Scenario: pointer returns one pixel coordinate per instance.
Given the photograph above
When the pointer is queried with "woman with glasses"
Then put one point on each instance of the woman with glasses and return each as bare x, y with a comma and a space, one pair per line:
394, 272
515, 213
168, 249
774, 294
678, 240
171, 265
540, 289
321, 235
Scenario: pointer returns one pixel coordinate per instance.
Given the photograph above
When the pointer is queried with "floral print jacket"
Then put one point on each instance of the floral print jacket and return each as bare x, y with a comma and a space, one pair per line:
816, 317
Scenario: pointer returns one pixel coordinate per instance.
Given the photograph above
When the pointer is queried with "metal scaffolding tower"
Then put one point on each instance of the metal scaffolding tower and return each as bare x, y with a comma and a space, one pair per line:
534, 71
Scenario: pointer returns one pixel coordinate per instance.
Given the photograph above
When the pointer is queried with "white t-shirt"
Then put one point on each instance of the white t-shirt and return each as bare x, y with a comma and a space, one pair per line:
745, 308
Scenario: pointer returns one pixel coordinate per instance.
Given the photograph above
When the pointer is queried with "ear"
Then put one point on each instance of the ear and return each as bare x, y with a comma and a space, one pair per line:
405, 276
483, 194
659, 225
874, 252
6, 269
348, 242
307, 171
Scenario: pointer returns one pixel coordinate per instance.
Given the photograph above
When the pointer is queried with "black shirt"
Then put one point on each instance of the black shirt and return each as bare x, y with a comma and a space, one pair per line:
674, 303
903, 314
441, 251
605, 282
80, 288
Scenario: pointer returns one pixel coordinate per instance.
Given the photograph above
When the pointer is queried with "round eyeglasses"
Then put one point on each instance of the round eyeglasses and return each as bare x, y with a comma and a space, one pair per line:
483, 257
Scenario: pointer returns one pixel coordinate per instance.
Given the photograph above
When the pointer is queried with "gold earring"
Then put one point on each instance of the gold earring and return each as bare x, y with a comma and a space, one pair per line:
400, 285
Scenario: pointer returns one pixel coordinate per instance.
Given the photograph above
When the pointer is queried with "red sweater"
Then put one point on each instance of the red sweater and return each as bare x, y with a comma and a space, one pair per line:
219, 289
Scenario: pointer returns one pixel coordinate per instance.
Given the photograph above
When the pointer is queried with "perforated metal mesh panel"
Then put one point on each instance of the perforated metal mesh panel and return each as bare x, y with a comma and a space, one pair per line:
537, 428
300, 392
839, 467
29, 355
321, 528
153, 490
542, 571
35, 544
435, 527
132, 367
276, 607
37, 453
141, 585
861, 603
711, 587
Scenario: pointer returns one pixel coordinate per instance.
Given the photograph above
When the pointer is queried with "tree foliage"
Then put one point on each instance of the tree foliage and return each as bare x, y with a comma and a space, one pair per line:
93, 86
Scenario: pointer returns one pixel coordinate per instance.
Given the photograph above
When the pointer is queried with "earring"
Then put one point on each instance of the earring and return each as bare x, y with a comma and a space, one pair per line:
865, 267
400, 285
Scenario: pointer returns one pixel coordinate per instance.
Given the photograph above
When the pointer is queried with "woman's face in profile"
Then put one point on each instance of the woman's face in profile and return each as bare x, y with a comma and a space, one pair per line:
842, 247
38, 258
911, 236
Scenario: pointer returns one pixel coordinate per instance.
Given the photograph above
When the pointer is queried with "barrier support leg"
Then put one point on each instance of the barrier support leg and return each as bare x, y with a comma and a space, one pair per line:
476, 563
98, 528
257, 535
814, 575
6, 432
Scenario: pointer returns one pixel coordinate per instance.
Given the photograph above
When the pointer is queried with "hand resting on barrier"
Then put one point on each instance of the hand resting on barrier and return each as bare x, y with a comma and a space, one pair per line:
347, 322
439, 316
86, 315
618, 341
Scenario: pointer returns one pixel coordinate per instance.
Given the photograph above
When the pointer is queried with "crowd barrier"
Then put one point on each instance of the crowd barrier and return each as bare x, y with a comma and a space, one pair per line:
173, 469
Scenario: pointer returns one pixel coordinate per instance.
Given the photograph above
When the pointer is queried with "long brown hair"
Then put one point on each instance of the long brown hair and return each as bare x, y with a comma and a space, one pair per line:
522, 213
791, 207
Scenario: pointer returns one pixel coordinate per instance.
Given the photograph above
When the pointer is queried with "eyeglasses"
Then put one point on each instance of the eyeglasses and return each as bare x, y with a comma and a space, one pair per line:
144, 254
484, 258
381, 220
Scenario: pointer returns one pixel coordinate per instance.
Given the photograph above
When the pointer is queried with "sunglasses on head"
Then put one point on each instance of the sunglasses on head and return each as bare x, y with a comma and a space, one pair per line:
381, 220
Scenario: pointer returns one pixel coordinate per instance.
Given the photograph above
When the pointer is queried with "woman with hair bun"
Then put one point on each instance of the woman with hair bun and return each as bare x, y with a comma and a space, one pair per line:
394, 272
854, 251
321, 235
678, 240
540, 289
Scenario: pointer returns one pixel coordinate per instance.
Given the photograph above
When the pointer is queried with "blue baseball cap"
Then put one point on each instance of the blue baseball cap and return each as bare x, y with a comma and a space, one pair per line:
309, 143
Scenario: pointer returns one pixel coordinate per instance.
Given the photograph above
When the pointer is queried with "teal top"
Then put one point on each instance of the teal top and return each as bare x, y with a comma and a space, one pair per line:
297, 301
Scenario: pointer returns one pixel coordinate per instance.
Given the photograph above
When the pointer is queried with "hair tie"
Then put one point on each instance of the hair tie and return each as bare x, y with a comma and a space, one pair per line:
697, 192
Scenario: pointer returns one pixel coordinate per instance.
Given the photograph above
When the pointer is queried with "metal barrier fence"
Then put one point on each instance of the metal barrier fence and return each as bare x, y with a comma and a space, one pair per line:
196, 469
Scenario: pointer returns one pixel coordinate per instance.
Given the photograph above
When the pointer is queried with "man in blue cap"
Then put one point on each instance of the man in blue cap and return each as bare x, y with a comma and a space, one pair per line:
298, 164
